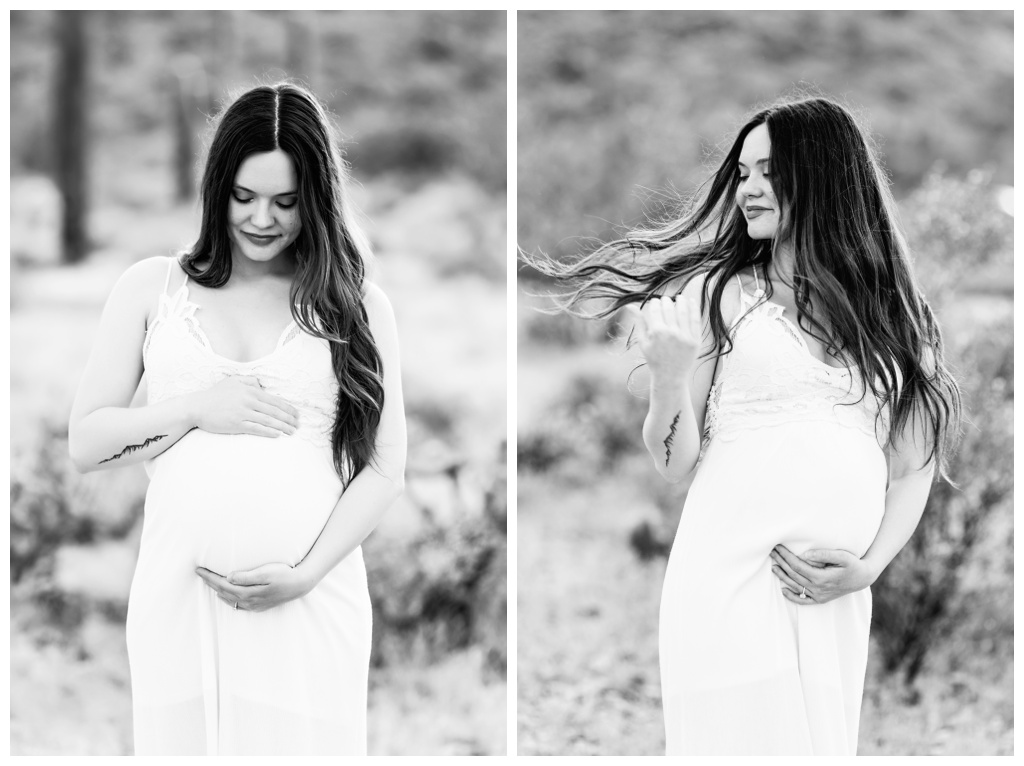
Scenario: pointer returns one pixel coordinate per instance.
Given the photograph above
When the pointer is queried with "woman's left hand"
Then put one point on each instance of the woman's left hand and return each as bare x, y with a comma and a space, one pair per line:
821, 575
259, 589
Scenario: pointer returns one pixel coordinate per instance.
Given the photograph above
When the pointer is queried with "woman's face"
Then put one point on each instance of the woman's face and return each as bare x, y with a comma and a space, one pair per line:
263, 211
755, 196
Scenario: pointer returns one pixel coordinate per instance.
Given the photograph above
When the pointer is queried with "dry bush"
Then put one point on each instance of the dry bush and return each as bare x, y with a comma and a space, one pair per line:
444, 586
593, 427
957, 231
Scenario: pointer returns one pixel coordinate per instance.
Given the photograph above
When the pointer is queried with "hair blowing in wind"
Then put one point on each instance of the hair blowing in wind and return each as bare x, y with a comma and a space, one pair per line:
852, 278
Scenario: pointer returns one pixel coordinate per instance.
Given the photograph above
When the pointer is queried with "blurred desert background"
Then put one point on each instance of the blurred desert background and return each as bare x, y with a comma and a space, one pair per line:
617, 113
108, 111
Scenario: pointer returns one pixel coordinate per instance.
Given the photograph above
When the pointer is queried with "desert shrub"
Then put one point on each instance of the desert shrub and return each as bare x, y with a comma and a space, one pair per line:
542, 449
444, 587
41, 502
917, 594
957, 230
594, 425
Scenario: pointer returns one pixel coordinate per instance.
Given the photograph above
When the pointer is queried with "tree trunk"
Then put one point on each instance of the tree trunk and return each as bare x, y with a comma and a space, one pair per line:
71, 133
189, 96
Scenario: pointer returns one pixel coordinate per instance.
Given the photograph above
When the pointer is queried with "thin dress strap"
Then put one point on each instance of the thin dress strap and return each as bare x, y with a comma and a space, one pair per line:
170, 268
746, 299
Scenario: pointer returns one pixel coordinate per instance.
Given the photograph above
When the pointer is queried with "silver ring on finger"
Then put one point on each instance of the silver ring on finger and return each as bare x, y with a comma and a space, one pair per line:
803, 592
235, 605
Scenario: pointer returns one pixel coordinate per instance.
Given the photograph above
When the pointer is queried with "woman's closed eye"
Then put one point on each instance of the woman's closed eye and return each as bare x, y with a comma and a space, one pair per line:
280, 204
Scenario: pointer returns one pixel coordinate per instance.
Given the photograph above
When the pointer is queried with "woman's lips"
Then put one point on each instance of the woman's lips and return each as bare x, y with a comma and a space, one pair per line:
755, 212
259, 240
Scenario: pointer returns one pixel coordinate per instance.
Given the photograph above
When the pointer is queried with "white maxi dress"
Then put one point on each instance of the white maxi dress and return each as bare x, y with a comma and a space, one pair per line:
208, 679
789, 458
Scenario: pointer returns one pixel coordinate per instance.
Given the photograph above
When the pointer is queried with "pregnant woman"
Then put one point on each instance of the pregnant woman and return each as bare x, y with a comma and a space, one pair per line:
796, 366
274, 438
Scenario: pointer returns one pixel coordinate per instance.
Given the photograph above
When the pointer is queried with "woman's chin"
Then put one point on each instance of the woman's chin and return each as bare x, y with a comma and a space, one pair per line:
755, 233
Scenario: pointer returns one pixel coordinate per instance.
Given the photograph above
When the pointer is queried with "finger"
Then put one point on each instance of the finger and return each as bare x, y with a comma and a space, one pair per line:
233, 603
208, 574
218, 582
827, 557
668, 311
269, 421
279, 408
688, 316
794, 562
653, 315
794, 575
795, 597
255, 429
269, 414
250, 578
786, 580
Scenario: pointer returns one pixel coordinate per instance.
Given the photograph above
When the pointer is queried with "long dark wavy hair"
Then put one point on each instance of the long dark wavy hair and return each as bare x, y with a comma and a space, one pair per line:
853, 283
328, 285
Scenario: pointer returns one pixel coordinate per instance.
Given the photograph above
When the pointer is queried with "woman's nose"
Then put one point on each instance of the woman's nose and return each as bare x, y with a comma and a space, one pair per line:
261, 216
750, 188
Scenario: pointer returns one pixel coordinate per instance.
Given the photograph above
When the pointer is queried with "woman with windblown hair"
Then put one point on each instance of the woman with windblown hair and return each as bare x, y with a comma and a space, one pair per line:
274, 438
797, 369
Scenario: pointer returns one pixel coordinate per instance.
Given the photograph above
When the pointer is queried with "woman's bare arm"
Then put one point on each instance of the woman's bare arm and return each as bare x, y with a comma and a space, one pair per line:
910, 482
374, 489
105, 431
682, 373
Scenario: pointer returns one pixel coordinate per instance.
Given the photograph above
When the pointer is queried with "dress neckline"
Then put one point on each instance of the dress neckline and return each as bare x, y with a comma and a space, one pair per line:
759, 298
208, 346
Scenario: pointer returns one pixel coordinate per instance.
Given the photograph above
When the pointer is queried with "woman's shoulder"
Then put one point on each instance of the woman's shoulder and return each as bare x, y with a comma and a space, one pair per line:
376, 302
134, 294
374, 296
140, 280
151, 269
379, 314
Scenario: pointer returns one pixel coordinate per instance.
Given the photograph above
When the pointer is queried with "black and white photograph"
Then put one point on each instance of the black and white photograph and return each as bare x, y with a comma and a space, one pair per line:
764, 383
258, 382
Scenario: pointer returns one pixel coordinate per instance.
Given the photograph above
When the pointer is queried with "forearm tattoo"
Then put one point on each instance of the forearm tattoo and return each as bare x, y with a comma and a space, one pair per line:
134, 448
670, 437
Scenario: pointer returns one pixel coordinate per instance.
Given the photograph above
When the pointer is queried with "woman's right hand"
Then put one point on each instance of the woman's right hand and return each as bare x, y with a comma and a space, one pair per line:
240, 405
669, 337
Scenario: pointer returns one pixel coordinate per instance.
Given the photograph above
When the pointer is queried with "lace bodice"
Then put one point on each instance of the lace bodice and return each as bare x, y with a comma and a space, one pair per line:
179, 359
770, 378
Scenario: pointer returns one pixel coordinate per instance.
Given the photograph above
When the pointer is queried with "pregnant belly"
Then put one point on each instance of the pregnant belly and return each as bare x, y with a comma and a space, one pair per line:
805, 485
230, 502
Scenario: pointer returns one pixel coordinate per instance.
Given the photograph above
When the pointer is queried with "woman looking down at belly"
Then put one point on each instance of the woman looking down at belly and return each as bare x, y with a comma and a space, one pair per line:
274, 437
